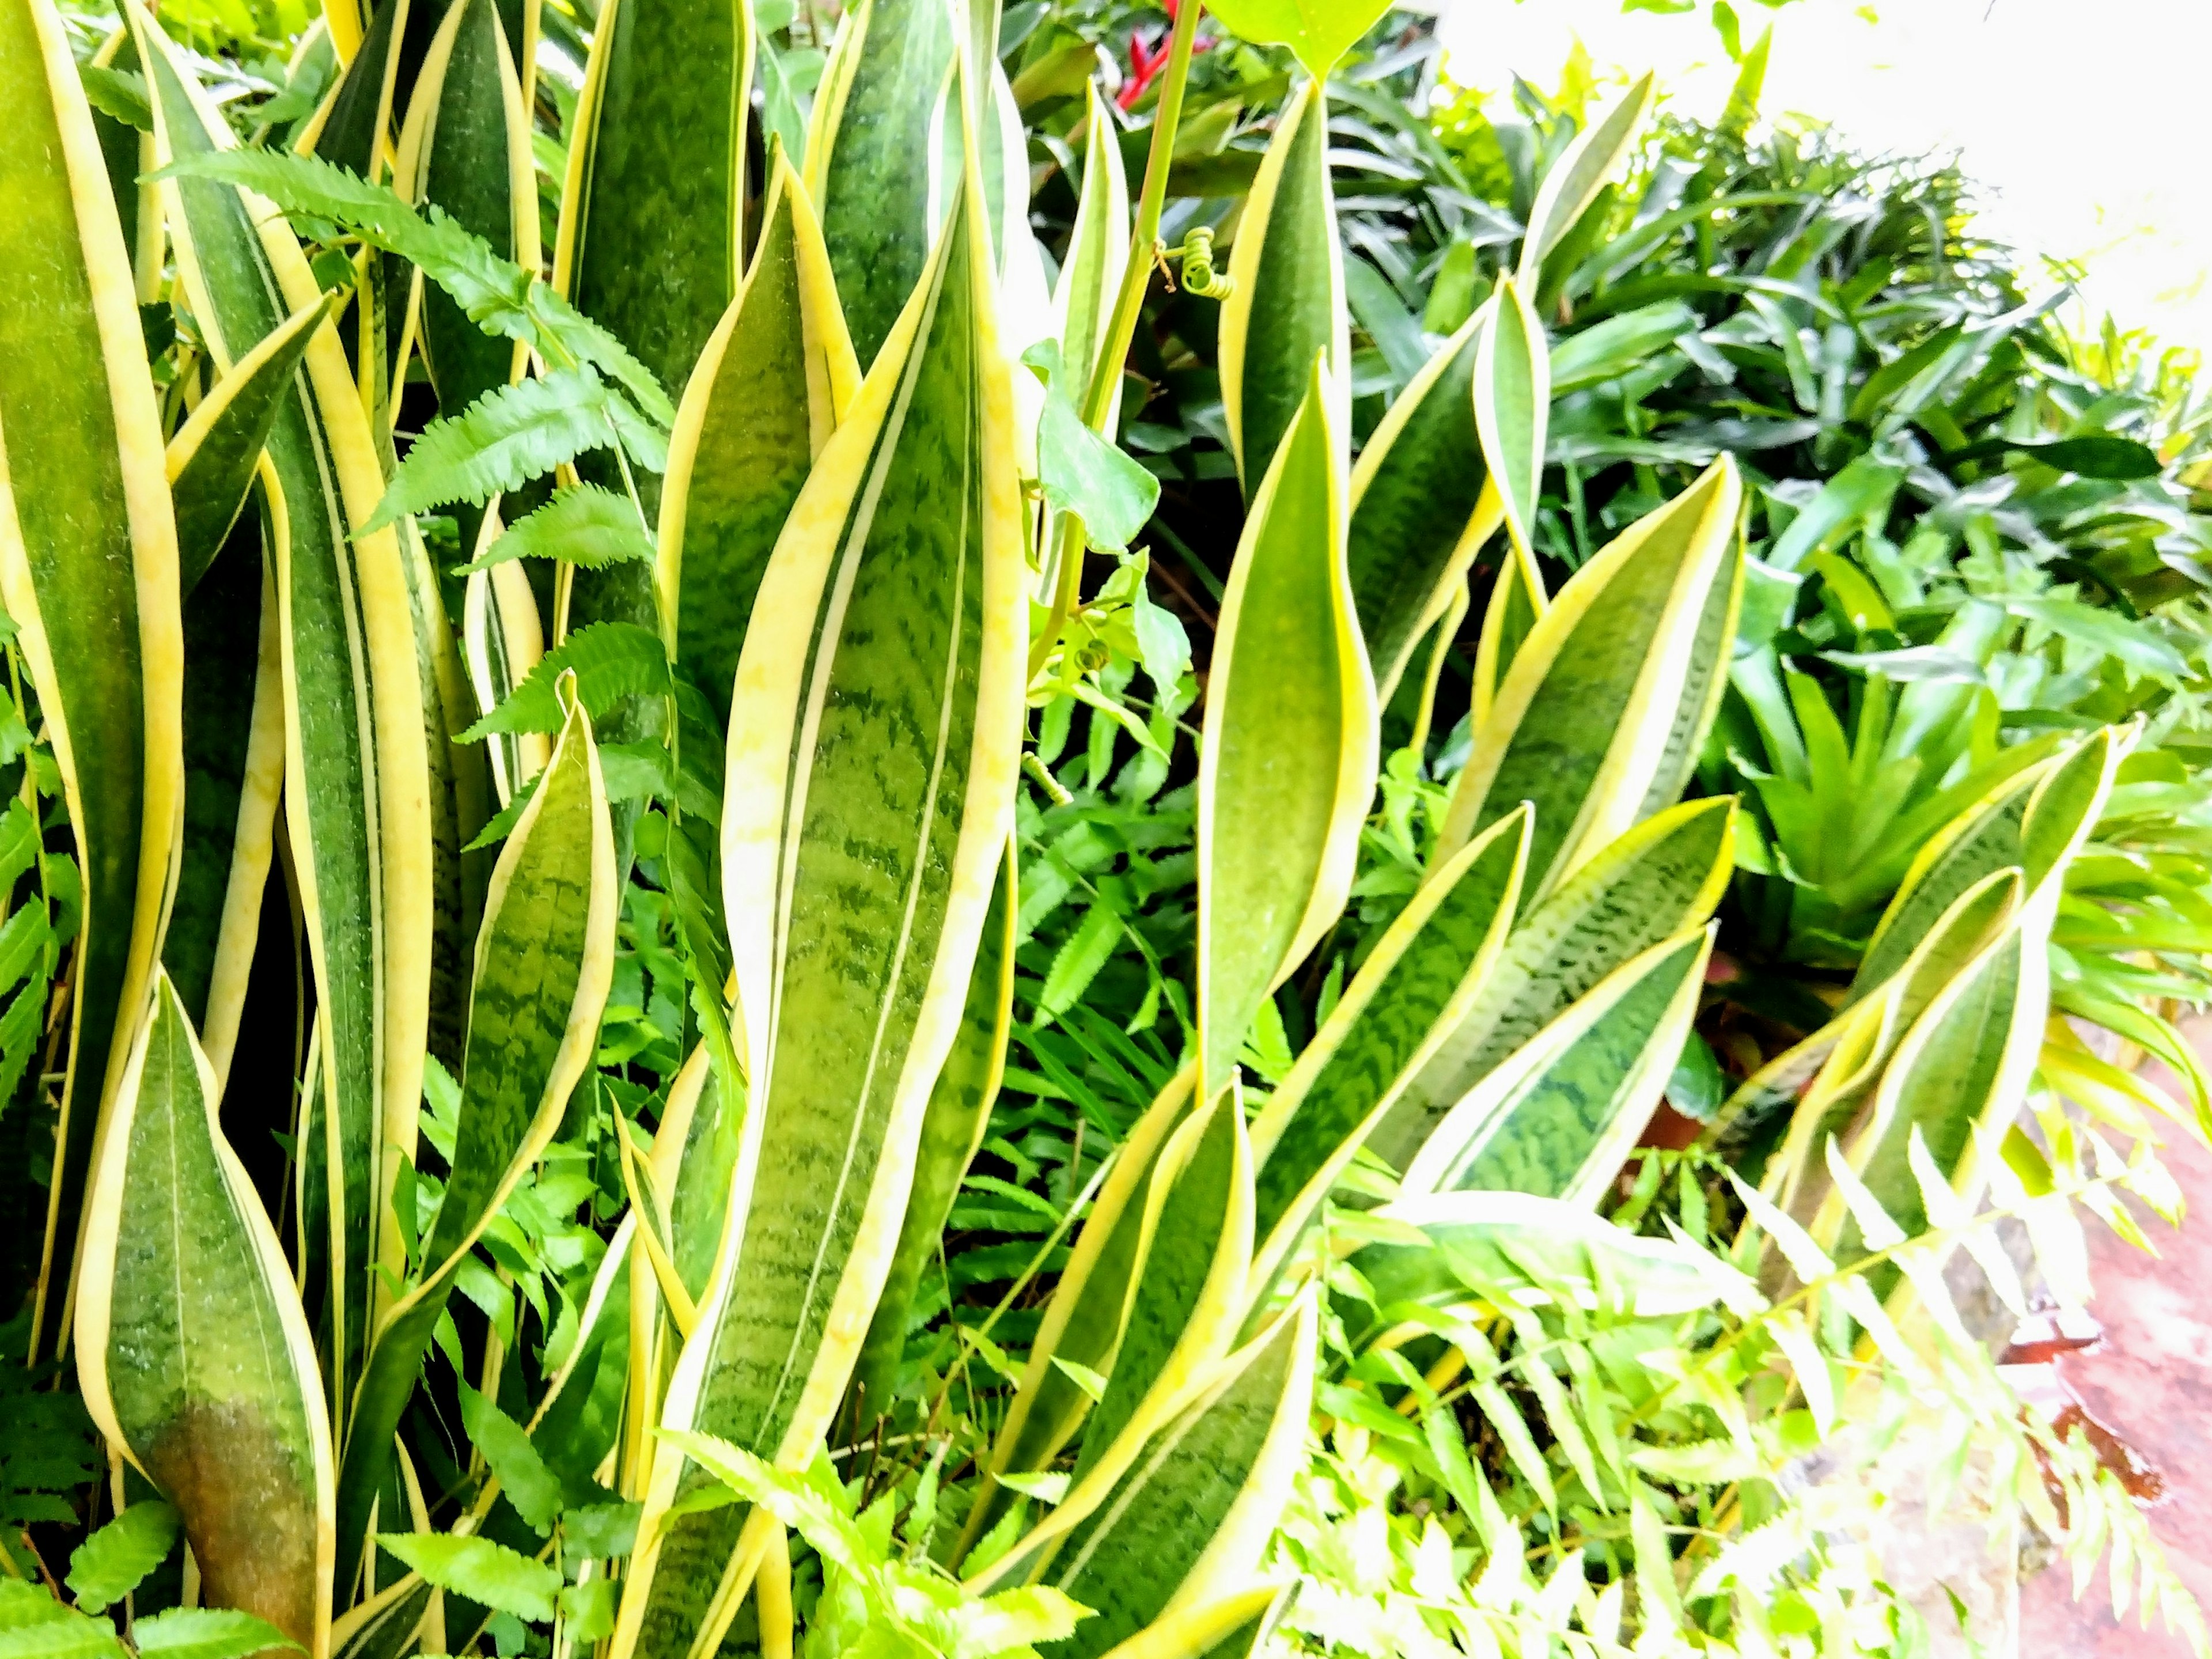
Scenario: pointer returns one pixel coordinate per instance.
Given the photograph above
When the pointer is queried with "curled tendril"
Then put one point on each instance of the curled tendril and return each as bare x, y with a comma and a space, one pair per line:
1199, 276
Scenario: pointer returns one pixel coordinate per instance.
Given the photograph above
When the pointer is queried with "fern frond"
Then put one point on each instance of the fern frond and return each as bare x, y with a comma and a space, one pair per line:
498, 295
512, 434
584, 524
613, 661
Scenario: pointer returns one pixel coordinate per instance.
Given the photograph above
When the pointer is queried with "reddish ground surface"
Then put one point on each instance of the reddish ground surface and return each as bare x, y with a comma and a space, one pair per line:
2151, 1384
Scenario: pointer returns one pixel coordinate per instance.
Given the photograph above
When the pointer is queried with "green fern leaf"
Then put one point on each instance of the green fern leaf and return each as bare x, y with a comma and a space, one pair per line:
586, 525
500, 296
611, 660
513, 432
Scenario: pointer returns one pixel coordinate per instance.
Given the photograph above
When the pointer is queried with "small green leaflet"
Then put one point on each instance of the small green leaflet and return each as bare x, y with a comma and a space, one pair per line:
533, 1489
584, 524
1319, 30
514, 433
118, 93
1092, 1384
485, 1572
498, 295
1080, 473
589, 1608
613, 661
206, 1633
67, 1636
601, 1529
108, 1565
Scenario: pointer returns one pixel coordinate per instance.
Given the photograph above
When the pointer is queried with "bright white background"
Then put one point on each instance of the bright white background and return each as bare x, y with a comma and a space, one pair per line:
2090, 121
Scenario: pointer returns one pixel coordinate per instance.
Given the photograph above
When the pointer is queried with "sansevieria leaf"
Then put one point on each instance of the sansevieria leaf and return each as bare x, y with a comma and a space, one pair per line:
545, 958
1557, 1119
1663, 877
1600, 719
873, 743
775, 376
1593, 161
1097, 253
1420, 507
1517, 599
358, 805
194, 1353
1287, 760
1512, 395
1286, 305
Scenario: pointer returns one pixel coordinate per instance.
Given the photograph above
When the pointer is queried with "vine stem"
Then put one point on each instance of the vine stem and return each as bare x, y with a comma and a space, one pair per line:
1128, 306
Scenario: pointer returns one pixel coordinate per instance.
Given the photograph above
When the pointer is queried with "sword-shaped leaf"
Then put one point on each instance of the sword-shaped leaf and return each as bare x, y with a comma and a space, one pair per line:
1600, 719
868, 161
87, 570
1287, 759
1287, 304
874, 739
359, 807
1097, 253
192, 1349
1557, 1118
1409, 996
211, 461
1512, 394
1516, 600
545, 958
1663, 876
775, 376
1592, 162
1421, 508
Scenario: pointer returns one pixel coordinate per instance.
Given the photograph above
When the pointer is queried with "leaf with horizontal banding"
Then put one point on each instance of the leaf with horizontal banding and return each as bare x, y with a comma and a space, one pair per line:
1185, 1517
951, 1131
1512, 397
1287, 760
1600, 719
87, 571
545, 958
868, 161
1408, 996
1421, 506
874, 739
1286, 305
1664, 876
775, 376
192, 1348
1558, 1116
211, 461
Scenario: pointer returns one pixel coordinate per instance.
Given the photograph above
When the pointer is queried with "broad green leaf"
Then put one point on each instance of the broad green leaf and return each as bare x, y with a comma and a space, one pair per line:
1663, 876
1185, 1517
109, 1565
876, 735
486, 1572
952, 1131
1097, 255
544, 959
192, 1347
1320, 32
1600, 720
533, 1488
513, 433
1609, 349
867, 159
497, 295
1082, 473
1541, 1251
775, 377
1418, 508
1286, 305
1512, 392
1286, 761
210, 462
1409, 996
358, 782
1558, 1117
205, 1633
2134, 645
583, 524
1596, 158
87, 572
1860, 494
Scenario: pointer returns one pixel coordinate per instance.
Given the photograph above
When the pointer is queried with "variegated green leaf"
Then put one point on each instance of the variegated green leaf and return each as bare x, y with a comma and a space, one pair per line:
1409, 996
1557, 1118
192, 1348
1512, 394
1596, 159
387, 1625
545, 958
1286, 761
1097, 253
1516, 600
87, 570
1600, 719
1663, 876
874, 739
1286, 303
1419, 509
775, 377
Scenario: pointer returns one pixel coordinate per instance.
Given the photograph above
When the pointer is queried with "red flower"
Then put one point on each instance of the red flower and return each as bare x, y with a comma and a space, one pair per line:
1146, 63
